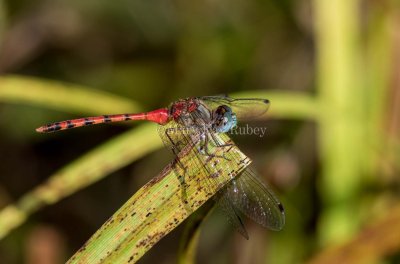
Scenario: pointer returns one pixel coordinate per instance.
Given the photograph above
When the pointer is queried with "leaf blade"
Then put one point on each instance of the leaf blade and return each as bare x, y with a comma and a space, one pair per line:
63, 96
152, 212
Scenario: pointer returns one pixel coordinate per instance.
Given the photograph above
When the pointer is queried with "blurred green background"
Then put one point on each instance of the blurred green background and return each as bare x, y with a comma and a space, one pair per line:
330, 69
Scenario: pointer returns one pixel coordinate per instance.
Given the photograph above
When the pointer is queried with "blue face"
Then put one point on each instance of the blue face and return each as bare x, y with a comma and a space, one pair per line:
224, 119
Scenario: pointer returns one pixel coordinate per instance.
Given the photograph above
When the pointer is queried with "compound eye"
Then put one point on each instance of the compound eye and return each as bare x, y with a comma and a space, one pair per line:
224, 119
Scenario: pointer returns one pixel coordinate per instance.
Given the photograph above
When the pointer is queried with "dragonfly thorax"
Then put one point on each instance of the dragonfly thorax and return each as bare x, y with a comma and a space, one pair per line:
183, 108
191, 113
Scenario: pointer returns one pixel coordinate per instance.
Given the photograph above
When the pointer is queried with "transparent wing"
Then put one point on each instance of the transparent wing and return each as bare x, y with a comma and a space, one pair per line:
254, 199
245, 108
245, 193
231, 212
175, 138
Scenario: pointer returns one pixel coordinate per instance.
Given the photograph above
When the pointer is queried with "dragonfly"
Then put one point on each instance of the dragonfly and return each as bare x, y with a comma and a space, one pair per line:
195, 122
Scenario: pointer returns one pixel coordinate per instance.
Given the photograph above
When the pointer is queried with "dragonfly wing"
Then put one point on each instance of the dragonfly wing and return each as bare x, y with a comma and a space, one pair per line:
231, 212
245, 193
176, 137
244, 108
254, 199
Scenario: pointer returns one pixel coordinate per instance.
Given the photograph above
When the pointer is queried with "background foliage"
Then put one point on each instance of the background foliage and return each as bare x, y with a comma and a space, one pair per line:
330, 69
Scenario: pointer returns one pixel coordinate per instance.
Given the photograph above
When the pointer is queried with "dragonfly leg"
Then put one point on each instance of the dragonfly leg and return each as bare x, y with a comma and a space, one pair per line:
222, 145
175, 151
178, 162
206, 150
174, 145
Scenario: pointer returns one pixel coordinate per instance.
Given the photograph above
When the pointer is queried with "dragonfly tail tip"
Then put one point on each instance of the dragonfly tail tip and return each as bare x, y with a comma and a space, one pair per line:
40, 130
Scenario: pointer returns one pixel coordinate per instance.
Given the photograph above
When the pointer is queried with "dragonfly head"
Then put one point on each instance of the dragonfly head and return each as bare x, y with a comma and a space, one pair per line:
223, 119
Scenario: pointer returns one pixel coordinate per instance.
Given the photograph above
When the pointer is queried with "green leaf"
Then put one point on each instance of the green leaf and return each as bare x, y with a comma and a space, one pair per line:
289, 105
62, 96
191, 234
342, 126
159, 206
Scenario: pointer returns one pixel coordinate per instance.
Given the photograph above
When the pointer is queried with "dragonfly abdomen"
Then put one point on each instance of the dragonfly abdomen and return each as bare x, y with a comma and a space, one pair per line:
159, 116
68, 124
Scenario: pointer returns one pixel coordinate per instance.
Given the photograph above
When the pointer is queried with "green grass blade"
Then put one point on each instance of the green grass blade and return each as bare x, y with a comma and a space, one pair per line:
342, 141
190, 237
156, 209
91, 167
80, 99
62, 96
289, 105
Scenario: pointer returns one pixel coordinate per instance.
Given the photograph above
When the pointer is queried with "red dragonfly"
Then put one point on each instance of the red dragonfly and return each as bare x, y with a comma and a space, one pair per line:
197, 120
